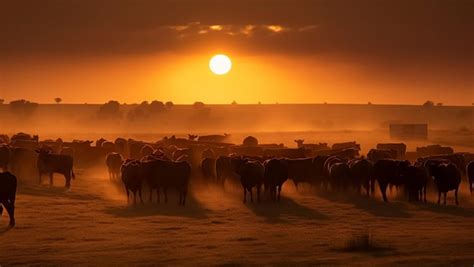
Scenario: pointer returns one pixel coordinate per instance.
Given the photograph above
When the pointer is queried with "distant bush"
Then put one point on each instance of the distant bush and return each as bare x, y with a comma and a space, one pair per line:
169, 105
58, 100
428, 104
23, 107
198, 105
156, 107
2, 101
110, 110
145, 110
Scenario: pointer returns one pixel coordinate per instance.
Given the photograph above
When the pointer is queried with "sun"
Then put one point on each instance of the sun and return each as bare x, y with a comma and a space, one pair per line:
220, 64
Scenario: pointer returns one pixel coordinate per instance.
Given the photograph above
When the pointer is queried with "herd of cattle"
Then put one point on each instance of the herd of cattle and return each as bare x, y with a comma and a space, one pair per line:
171, 162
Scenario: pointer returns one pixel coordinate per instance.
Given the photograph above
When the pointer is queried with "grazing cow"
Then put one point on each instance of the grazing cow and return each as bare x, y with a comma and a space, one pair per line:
447, 177
362, 174
470, 174
377, 154
276, 173
165, 174
8, 185
4, 157
346, 145
114, 163
208, 169
300, 170
48, 163
401, 148
132, 178
416, 182
224, 170
315, 147
389, 172
251, 175
432, 150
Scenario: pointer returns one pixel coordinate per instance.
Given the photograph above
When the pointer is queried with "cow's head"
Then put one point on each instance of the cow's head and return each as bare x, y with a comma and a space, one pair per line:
43, 151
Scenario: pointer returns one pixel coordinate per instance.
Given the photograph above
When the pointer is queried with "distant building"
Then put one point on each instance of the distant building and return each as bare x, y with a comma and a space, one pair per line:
409, 131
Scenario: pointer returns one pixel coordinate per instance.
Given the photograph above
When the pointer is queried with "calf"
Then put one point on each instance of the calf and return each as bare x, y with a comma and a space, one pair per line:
48, 163
447, 177
8, 185
114, 162
276, 173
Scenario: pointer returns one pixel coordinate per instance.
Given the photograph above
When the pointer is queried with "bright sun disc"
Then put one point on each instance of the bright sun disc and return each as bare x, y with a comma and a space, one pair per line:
220, 64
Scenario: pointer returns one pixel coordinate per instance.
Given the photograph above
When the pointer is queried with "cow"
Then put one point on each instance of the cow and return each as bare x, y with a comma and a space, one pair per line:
389, 172
132, 178
401, 148
215, 138
8, 184
470, 174
377, 154
121, 146
208, 169
23, 163
349, 153
114, 162
276, 173
346, 145
319, 174
67, 151
339, 173
291, 153
4, 157
433, 150
416, 181
362, 174
224, 170
300, 170
315, 147
48, 163
146, 150
457, 159
251, 175
165, 174
447, 177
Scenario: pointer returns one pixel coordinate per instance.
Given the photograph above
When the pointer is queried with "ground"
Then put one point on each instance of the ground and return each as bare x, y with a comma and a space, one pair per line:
92, 224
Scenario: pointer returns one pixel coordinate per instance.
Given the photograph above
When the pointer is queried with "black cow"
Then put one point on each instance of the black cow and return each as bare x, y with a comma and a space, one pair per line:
362, 174
165, 174
416, 182
389, 172
224, 169
447, 177
48, 163
251, 175
114, 163
208, 169
319, 174
276, 173
377, 154
132, 178
300, 170
8, 185
339, 173
470, 174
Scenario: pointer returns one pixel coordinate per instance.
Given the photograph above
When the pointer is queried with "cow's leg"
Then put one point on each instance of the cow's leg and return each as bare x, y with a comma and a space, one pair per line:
445, 193
245, 194
439, 197
151, 195
140, 194
424, 193
1, 209
165, 191
51, 178
456, 195
251, 195
10, 207
39, 178
158, 194
258, 193
134, 197
470, 186
279, 192
128, 195
185, 193
383, 190
372, 186
68, 180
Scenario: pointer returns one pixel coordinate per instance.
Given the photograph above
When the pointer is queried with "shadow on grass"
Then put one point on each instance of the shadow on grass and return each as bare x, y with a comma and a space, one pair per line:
193, 208
279, 212
364, 243
447, 209
369, 204
55, 191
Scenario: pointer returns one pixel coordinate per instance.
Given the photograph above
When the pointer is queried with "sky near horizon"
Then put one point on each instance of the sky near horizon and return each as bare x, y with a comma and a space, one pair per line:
286, 51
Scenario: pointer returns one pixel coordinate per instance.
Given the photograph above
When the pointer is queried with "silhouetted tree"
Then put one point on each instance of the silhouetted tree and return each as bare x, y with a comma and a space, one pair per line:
2, 101
199, 105
369, 103
23, 107
234, 103
58, 100
157, 106
439, 104
169, 104
110, 110
428, 104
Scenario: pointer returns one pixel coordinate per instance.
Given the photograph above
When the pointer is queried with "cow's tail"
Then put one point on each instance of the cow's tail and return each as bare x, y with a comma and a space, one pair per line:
72, 174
